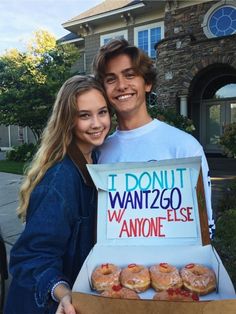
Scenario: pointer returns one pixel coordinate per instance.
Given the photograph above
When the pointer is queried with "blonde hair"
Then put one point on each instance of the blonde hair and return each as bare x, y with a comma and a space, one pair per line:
57, 135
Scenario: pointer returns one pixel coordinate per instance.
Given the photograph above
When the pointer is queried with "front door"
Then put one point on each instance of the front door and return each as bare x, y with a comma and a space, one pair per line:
216, 113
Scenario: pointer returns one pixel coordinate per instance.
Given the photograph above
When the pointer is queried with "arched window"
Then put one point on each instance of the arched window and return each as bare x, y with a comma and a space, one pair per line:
227, 91
220, 20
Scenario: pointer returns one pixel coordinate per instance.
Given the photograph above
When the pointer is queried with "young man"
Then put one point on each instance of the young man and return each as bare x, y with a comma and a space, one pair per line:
128, 75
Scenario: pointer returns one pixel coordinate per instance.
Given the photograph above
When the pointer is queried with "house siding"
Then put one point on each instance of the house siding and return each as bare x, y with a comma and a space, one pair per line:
13, 136
92, 42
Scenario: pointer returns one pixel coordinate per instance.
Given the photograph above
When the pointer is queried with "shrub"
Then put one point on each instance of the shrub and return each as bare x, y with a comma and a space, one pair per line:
170, 116
228, 201
225, 235
21, 153
225, 241
228, 140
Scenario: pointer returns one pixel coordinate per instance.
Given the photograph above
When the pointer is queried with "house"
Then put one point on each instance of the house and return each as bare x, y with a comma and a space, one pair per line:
193, 44
14, 135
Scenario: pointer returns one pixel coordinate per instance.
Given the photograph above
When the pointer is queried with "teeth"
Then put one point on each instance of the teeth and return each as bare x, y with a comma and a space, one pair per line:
96, 134
123, 97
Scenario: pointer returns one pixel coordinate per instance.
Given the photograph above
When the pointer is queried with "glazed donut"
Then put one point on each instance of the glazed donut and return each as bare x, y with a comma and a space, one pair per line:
176, 295
105, 276
198, 278
165, 276
135, 277
119, 292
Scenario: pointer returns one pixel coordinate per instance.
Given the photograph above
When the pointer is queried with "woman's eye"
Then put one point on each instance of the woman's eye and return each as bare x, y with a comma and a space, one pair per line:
84, 116
103, 112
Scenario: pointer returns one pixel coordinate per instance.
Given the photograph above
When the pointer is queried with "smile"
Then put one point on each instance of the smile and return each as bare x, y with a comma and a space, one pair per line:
124, 97
96, 134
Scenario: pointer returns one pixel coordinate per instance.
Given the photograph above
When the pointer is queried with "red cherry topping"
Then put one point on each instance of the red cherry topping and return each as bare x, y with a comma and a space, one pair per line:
132, 265
116, 287
170, 291
186, 293
178, 291
164, 265
105, 265
195, 297
189, 266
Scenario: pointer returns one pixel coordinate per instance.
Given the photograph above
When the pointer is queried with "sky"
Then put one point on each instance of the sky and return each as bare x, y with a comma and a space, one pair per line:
19, 19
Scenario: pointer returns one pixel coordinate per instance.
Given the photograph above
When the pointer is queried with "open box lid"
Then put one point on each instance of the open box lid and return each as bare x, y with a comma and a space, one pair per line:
151, 203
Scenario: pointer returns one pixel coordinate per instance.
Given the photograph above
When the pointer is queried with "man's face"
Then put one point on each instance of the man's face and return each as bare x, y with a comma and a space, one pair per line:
125, 88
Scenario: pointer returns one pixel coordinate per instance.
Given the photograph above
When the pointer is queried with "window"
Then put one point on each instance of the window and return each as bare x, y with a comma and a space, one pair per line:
105, 38
220, 20
145, 37
227, 91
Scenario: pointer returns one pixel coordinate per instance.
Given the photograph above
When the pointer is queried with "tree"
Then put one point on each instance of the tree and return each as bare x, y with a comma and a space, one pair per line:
30, 80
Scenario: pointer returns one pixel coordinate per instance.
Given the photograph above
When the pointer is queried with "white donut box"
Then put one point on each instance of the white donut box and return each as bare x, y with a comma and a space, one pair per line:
150, 213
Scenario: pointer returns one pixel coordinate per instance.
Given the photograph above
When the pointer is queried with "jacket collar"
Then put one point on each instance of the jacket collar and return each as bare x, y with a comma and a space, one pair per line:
80, 162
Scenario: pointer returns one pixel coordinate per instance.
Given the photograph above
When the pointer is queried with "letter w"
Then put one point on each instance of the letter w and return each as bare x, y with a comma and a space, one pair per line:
114, 215
116, 198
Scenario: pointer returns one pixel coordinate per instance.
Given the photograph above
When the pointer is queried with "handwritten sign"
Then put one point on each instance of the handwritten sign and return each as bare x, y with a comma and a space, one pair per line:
150, 203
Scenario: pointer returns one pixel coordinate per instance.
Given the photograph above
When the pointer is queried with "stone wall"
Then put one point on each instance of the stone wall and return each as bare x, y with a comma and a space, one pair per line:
186, 51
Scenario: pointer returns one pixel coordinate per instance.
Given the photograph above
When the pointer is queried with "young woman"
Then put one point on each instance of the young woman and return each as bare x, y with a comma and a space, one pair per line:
58, 202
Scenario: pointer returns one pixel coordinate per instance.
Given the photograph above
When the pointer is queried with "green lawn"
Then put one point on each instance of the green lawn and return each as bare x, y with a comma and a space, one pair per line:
11, 166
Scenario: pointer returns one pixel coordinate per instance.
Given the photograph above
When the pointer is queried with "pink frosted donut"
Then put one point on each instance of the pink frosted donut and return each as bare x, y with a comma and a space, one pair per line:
165, 276
105, 276
198, 278
135, 277
119, 292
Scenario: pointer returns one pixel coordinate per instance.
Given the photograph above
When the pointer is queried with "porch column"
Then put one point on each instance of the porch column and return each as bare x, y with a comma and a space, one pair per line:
9, 136
26, 135
183, 105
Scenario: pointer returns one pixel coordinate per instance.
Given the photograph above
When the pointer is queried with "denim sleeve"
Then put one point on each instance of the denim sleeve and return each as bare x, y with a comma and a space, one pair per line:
37, 257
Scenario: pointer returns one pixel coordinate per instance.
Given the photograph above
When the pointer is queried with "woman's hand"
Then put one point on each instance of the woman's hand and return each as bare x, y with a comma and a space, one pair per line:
65, 306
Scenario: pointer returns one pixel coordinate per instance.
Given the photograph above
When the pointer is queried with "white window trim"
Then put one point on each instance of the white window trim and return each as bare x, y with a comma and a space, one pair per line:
147, 27
214, 7
113, 35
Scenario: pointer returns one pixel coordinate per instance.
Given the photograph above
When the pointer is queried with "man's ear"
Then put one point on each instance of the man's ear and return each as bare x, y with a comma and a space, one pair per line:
148, 88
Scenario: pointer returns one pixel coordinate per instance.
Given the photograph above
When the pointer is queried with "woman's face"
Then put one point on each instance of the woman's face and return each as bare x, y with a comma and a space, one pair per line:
93, 120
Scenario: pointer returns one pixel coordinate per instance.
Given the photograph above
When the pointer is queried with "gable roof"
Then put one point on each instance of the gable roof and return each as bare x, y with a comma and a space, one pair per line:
105, 6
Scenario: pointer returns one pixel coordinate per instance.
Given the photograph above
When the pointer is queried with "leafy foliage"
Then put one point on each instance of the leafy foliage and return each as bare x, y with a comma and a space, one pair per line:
170, 116
225, 236
167, 115
228, 140
30, 81
229, 200
225, 241
21, 153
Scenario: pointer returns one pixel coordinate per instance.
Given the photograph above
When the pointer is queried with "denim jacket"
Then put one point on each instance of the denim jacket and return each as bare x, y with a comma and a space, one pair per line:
59, 233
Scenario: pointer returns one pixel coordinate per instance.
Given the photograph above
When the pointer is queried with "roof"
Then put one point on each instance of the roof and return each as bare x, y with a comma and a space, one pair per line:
105, 6
71, 37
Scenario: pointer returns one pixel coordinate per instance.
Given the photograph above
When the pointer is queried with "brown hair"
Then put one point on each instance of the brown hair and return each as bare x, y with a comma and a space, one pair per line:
142, 64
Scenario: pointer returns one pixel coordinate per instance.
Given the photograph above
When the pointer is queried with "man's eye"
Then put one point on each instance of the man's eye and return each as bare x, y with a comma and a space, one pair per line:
130, 75
109, 80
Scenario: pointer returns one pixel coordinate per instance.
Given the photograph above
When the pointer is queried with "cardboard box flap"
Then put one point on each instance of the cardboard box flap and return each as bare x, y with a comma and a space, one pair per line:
151, 203
85, 303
